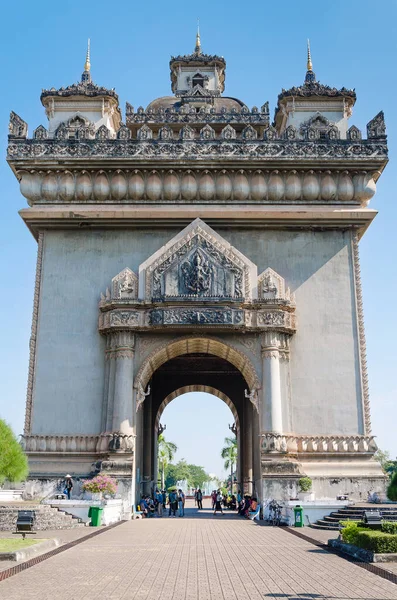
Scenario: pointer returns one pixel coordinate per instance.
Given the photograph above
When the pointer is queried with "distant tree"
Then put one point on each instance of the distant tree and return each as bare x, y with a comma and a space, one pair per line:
193, 474
197, 476
392, 489
13, 461
383, 457
166, 454
229, 454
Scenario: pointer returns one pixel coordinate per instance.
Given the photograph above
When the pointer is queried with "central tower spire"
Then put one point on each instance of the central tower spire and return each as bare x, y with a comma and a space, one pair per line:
310, 75
197, 49
86, 76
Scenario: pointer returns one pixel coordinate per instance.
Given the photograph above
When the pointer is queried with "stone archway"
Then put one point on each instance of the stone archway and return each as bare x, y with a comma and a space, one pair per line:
196, 364
196, 344
207, 390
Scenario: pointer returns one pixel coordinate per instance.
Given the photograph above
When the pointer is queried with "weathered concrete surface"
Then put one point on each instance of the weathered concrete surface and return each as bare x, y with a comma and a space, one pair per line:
317, 266
196, 558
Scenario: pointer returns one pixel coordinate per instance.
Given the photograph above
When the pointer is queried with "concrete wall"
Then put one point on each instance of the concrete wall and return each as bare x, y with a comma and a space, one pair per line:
79, 265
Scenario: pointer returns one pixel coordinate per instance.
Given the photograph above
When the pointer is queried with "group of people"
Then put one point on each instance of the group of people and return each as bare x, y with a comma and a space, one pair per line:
155, 505
246, 506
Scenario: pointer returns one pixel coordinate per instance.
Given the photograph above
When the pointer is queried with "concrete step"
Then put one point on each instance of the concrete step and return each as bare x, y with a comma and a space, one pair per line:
47, 517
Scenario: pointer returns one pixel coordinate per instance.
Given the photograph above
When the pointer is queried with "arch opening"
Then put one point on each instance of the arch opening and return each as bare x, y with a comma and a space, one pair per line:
198, 365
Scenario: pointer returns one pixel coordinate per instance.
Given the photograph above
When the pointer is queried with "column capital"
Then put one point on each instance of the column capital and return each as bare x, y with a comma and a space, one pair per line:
120, 344
273, 343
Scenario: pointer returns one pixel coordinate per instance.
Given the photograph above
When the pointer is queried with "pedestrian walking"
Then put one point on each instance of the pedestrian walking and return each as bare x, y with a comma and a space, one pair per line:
213, 499
68, 485
181, 503
199, 499
164, 495
218, 502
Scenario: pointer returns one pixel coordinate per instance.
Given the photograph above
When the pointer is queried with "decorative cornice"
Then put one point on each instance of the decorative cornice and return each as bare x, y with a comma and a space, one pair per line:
206, 114
254, 186
88, 89
64, 444
33, 336
190, 315
317, 444
315, 88
361, 334
198, 149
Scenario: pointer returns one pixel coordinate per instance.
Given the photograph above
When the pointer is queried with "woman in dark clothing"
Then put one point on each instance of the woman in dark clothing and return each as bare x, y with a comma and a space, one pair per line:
199, 499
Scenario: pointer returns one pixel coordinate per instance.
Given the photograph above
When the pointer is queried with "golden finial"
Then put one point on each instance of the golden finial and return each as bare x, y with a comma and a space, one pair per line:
309, 57
87, 65
197, 49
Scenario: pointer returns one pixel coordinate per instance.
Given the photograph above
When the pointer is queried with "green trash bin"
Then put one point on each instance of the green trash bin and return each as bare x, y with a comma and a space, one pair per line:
298, 514
95, 514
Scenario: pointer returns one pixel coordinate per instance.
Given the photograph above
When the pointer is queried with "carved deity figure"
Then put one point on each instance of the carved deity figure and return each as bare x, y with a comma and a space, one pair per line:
127, 286
196, 274
268, 285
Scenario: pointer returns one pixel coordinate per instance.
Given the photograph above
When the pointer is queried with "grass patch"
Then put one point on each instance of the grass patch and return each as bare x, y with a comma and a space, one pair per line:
11, 545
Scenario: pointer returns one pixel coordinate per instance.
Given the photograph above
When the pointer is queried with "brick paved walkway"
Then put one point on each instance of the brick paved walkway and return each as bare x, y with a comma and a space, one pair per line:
222, 558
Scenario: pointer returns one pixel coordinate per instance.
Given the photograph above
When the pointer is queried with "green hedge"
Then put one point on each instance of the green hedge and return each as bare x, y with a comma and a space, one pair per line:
389, 527
377, 541
356, 533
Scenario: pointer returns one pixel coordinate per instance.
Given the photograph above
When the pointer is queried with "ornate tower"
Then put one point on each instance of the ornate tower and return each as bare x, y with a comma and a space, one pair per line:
220, 253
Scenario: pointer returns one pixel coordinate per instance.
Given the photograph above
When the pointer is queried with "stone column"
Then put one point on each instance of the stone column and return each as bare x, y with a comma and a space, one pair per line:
271, 409
148, 432
123, 355
247, 448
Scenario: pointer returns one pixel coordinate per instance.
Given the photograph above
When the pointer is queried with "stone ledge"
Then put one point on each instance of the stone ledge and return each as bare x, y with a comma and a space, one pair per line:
31, 551
361, 554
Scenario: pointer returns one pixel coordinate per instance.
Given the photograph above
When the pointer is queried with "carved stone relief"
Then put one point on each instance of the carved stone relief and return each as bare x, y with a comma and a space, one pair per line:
198, 263
125, 285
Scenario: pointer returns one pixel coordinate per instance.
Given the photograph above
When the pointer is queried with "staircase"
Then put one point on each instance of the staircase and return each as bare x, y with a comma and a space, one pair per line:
354, 513
47, 517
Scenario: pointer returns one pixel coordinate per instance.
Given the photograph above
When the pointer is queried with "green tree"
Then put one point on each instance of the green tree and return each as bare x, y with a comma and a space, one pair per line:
197, 476
229, 455
389, 466
193, 474
13, 461
392, 489
166, 453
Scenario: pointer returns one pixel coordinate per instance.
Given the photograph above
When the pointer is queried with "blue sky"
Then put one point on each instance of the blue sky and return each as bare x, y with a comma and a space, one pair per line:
353, 44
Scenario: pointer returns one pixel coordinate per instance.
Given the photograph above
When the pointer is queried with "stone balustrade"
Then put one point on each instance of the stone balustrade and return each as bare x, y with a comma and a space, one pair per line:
298, 444
226, 185
104, 442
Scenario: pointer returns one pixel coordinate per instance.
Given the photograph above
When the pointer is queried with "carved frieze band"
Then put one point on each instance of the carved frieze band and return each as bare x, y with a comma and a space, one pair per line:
143, 318
33, 336
289, 443
361, 335
229, 185
196, 149
104, 442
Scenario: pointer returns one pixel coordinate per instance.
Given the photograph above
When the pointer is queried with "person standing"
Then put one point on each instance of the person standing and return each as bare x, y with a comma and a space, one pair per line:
173, 503
218, 503
213, 499
164, 495
68, 485
159, 499
181, 503
199, 499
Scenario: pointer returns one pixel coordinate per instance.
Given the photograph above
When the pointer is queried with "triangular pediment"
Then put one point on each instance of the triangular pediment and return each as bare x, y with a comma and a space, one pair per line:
197, 264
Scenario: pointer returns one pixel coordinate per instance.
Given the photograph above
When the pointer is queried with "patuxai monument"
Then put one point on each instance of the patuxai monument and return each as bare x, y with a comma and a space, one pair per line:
198, 244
